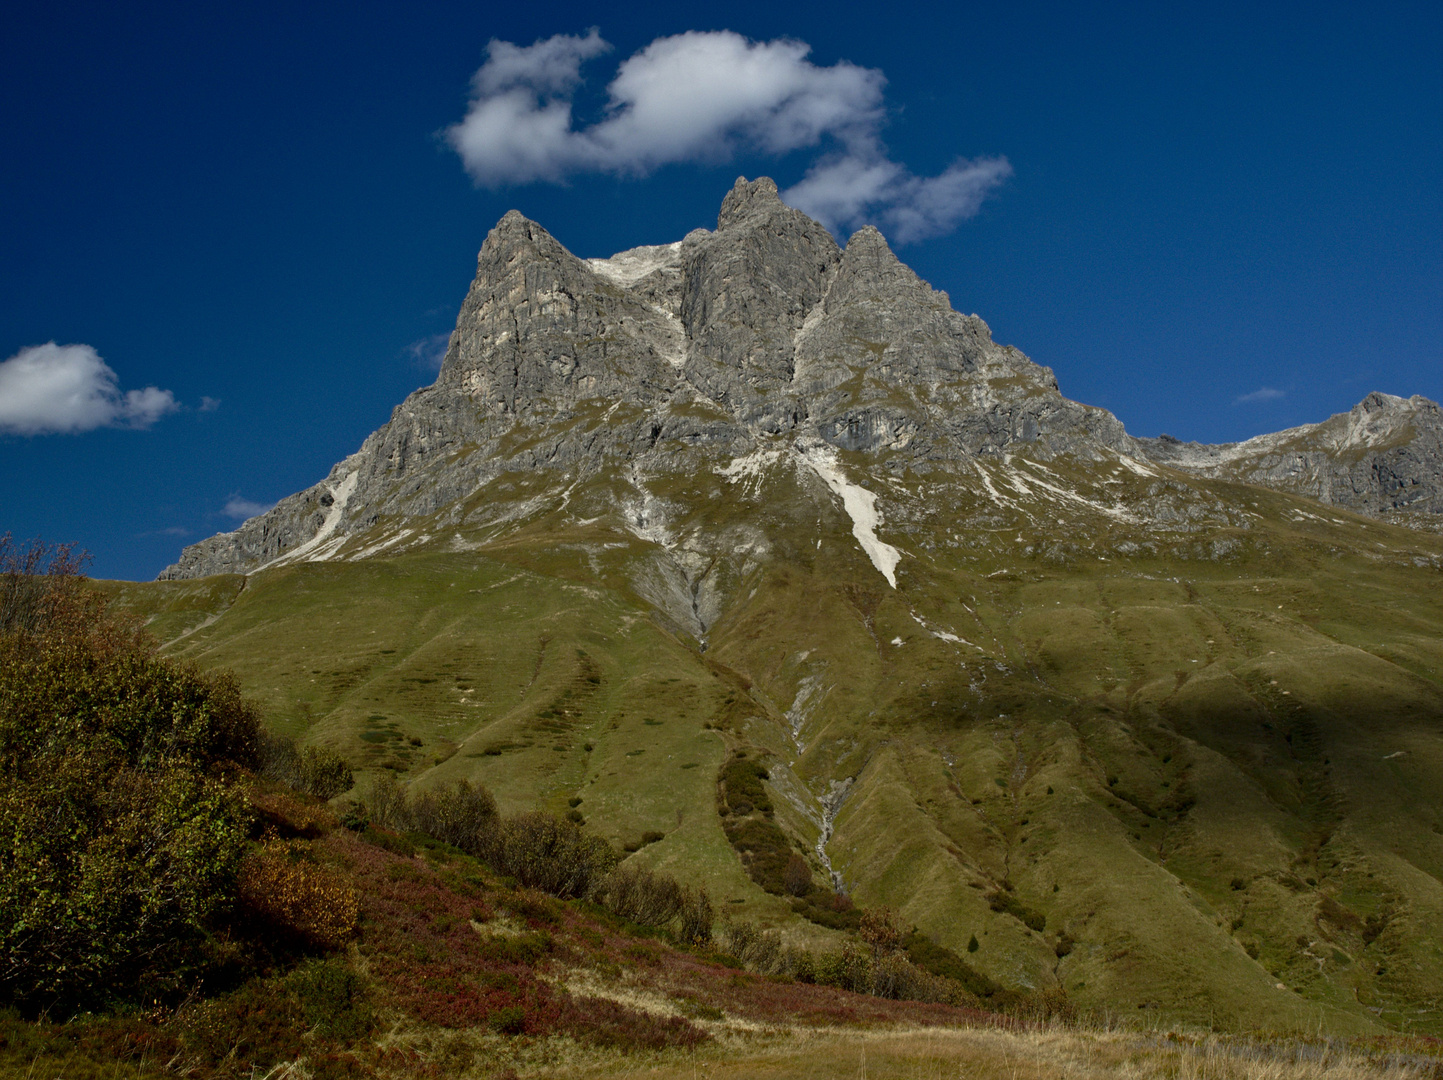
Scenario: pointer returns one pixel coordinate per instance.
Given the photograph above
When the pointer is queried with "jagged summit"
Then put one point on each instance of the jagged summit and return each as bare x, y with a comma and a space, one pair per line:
759, 336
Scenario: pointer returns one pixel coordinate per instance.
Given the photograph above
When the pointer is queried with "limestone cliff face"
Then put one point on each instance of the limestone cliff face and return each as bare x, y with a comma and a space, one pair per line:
1383, 456
675, 358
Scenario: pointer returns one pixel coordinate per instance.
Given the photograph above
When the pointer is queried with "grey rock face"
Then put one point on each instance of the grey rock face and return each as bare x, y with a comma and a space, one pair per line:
673, 359
1385, 455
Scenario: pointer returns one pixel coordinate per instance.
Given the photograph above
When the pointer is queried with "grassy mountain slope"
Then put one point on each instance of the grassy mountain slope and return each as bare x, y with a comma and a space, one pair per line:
1191, 732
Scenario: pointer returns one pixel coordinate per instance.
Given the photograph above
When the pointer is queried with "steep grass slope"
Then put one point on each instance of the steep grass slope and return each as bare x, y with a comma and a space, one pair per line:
1161, 743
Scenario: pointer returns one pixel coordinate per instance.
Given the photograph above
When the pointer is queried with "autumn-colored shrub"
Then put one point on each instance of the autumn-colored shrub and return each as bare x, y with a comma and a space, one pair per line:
602, 1022
798, 876
279, 885
880, 930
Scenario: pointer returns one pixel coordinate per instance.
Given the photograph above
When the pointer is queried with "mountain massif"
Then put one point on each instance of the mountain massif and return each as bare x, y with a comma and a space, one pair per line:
749, 548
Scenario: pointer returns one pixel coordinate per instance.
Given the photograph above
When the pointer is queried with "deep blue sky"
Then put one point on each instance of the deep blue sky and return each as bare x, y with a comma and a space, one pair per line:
252, 204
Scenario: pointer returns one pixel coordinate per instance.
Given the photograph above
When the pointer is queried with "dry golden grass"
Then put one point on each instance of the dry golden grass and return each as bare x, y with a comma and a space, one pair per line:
995, 1054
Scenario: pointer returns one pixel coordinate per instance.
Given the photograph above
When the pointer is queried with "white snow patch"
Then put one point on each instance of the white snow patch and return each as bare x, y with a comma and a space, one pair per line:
628, 267
943, 635
1133, 465
373, 549
861, 507
898, 642
750, 466
340, 494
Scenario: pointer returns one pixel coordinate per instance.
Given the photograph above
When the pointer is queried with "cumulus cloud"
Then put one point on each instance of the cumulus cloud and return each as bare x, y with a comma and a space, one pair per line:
240, 509
54, 388
1261, 394
702, 97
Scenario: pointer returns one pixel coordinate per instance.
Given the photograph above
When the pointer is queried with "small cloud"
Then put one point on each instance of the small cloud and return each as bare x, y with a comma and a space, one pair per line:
65, 389
209, 404
703, 97
863, 186
174, 530
242, 509
428, 352
1261, 394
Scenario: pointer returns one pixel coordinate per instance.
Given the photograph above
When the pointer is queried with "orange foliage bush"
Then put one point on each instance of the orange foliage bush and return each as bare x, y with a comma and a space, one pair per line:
278, 884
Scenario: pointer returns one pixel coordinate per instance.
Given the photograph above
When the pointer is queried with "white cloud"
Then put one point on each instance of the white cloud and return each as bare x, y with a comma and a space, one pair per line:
851, 190
241, 509
209, 404
68, 388
427, 353
703, 96
1263, 393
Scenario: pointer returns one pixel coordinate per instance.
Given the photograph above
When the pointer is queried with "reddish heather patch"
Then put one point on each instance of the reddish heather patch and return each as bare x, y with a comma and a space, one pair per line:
416, 931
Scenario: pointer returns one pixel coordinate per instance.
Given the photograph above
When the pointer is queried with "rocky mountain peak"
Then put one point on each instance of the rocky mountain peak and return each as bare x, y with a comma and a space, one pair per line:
761, 337
748, 198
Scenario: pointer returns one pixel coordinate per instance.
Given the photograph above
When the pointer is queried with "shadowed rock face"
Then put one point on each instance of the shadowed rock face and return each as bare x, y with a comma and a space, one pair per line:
663, 359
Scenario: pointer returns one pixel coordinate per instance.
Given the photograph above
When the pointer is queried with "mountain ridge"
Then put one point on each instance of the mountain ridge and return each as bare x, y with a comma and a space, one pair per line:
761, 327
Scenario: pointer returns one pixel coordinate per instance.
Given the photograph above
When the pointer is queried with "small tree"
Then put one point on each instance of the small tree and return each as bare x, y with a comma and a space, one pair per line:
798, 877
881, 931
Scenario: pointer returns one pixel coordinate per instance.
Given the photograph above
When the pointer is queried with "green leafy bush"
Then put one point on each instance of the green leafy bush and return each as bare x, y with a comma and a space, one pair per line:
316, 770
1005, 903
122, 839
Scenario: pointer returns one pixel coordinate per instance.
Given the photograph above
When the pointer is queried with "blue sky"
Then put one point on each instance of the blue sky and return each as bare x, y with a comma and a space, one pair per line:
1215, 220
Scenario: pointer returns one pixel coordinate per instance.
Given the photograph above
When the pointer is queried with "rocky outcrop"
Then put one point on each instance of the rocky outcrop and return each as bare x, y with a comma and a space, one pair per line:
1383, 456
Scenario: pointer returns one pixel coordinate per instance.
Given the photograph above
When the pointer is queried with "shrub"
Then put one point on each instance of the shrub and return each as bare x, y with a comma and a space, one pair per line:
316, 770
510, 1020
279, 886
641, 896
545, 853
696, 918
121, 844
460, 814
387, 803
880, 930
334, 1001
849, 968
742, 780
1006, 903
764, 849
942, 961
798, 876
